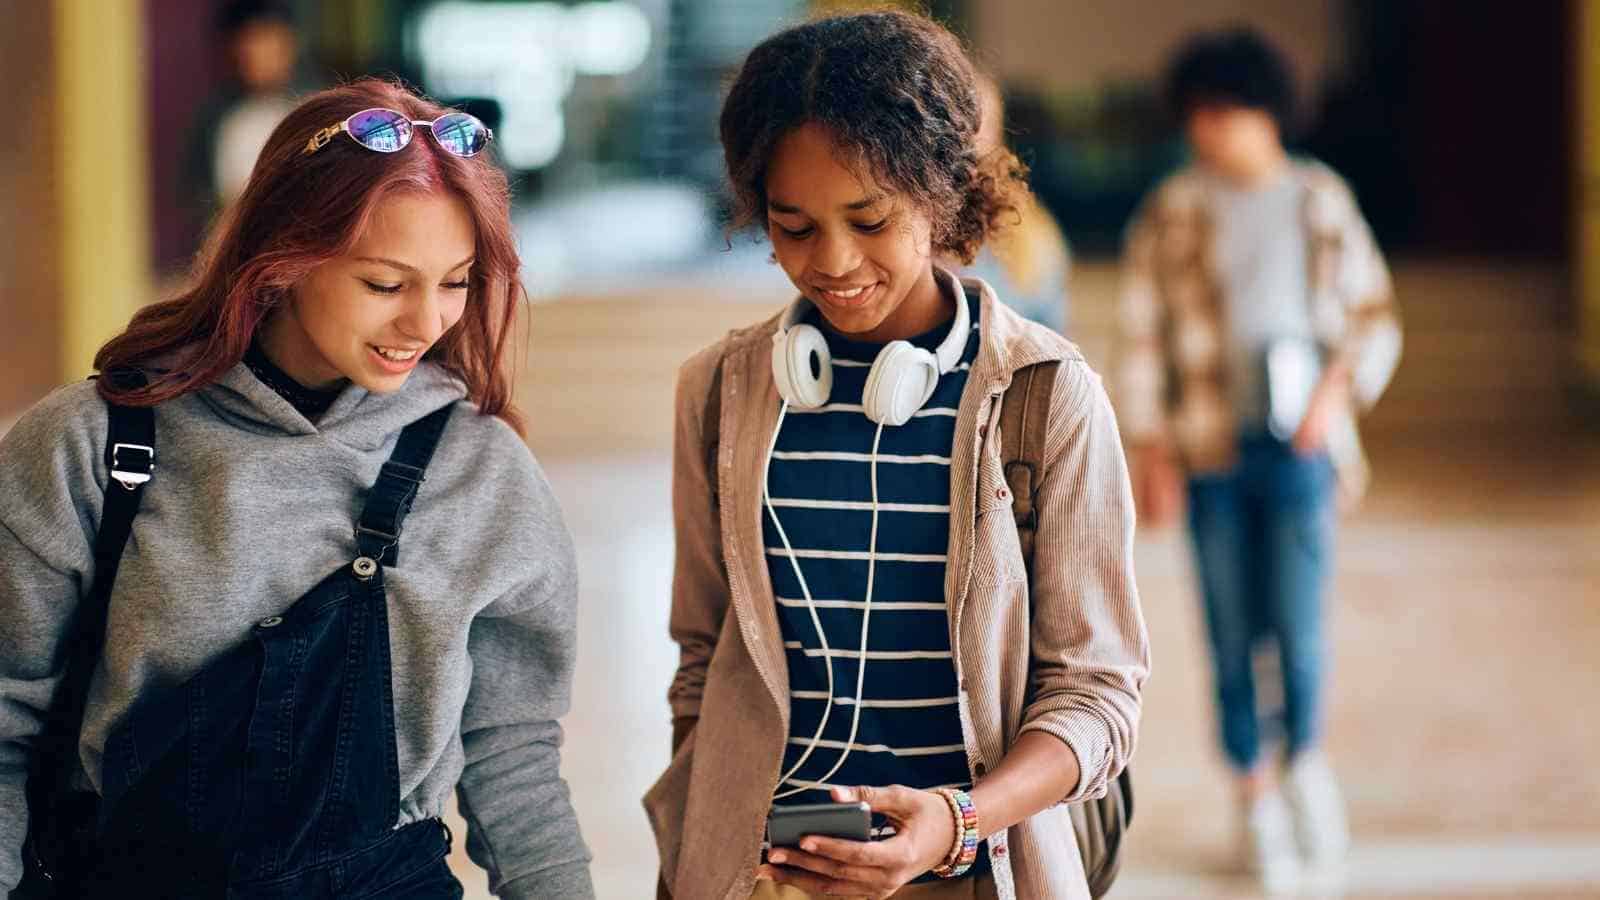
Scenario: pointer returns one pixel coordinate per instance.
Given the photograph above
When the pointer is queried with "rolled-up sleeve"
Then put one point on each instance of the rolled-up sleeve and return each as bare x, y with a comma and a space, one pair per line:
1090, 650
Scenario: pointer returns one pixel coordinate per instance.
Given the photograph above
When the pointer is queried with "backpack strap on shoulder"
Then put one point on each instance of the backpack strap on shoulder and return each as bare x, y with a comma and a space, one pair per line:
1024, 419
130, 457
61, 820
389, 500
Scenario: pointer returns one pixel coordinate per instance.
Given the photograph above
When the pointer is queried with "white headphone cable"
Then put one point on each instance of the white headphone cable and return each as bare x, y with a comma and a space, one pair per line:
766, 492
866, 619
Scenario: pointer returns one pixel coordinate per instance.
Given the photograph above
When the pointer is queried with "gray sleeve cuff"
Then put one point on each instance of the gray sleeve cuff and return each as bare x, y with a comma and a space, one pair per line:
569, 881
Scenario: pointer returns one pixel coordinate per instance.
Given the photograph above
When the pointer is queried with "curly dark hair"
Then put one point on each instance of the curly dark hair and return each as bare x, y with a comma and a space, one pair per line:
1233, 66
899, 96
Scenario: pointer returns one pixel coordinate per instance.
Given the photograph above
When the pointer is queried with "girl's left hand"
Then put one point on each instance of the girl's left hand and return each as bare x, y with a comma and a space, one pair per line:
925, 832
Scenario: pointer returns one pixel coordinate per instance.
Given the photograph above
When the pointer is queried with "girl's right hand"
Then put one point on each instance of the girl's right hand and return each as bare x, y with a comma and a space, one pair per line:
925, 834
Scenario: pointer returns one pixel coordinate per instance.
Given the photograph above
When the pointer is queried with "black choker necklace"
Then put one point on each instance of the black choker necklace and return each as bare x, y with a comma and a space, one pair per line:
309, 402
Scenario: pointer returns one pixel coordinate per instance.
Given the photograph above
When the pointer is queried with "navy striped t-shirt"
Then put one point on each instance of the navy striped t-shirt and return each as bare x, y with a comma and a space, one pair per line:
910, 727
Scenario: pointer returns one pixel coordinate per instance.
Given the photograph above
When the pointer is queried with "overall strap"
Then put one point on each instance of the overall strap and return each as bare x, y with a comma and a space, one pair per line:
1024, 419
389, 500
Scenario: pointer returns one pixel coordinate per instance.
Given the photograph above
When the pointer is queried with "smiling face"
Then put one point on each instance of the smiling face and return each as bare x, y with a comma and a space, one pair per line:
861, 252
370, 315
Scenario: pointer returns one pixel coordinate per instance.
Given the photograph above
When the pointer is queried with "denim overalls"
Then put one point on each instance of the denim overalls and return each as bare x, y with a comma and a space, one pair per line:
272, 773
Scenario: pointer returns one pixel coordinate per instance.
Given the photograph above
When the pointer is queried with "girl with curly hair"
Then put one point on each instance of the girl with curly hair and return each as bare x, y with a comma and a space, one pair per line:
873, 612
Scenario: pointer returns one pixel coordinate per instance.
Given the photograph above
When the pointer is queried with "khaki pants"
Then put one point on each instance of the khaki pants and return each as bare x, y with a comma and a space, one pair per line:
979, 888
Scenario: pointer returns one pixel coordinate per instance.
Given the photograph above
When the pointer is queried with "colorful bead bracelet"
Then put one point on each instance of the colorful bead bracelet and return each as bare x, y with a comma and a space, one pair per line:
965, 850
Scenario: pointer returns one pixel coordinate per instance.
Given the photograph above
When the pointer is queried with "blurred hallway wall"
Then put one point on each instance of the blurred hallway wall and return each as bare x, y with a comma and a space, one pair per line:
29, 279
1586, 184
74, 248
1062, 46
185, 66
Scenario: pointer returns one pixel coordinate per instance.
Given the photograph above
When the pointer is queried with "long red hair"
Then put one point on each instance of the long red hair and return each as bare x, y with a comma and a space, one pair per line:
300, 211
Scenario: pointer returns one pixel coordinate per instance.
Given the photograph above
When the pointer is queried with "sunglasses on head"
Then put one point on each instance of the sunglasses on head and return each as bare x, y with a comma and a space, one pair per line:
389, 131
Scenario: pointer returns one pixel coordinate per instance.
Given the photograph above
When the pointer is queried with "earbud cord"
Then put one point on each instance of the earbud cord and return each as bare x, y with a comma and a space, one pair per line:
866, 617
794, 561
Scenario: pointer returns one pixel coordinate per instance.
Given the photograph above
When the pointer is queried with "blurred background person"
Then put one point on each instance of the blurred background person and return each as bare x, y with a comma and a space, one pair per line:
1029, 262
1257, 312
260, 45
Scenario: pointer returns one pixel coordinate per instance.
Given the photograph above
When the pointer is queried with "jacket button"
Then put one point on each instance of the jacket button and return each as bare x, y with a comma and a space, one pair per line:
1000, 493
271, 622
980, 770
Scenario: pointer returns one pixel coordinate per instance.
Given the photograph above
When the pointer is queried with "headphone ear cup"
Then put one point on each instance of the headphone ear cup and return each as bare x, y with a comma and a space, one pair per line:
901, 381
794, 351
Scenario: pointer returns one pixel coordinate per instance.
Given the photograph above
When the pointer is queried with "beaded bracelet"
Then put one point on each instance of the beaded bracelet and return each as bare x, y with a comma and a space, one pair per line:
964, 852
959, 825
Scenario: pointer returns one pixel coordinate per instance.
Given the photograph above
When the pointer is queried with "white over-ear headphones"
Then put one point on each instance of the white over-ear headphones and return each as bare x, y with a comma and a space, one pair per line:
903, 376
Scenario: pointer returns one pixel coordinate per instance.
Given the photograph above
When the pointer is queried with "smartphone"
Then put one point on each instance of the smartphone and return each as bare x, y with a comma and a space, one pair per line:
848, 821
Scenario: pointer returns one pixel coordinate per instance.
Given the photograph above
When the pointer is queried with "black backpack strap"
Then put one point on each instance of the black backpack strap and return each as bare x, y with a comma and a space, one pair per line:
58, 818
389, 500
1024, 420
131, 458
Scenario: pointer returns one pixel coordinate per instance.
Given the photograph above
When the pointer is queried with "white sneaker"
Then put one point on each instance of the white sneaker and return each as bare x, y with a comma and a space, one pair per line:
1270, 844
1312, 791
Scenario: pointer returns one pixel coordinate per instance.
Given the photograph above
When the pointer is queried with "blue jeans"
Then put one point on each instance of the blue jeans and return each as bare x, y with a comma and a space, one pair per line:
1263, 540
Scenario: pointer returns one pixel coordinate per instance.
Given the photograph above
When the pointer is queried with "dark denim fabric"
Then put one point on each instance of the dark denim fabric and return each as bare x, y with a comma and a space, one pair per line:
272, 773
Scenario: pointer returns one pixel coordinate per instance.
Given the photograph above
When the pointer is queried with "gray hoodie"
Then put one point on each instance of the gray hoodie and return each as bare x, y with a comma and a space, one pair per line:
250, 506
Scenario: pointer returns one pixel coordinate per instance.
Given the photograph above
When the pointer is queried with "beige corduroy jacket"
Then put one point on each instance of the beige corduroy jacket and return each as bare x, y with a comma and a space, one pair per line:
1067, 654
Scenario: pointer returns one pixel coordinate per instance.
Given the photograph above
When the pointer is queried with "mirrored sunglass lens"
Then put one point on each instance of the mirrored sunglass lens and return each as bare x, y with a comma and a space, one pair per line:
460, 133
383, 130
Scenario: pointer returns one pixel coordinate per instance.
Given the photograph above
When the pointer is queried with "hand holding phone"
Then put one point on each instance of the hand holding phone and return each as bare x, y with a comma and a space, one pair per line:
847, 821
879, 866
